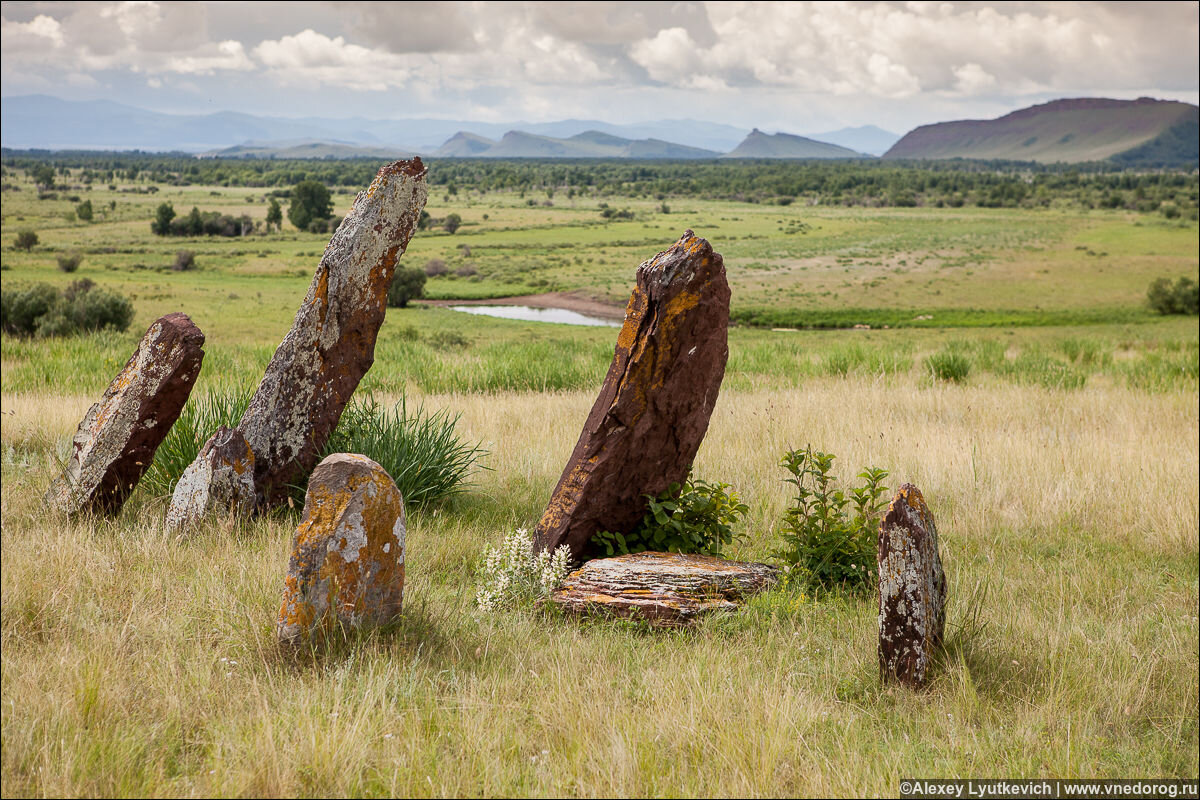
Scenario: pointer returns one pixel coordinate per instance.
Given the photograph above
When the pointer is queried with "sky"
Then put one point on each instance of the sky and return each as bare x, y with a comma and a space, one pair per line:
780, 66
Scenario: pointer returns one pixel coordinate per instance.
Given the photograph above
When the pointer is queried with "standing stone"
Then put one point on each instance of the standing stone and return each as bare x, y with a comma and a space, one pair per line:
117, 439
668, 589
912, 590
347, 564
220, 479
332, 341
653, 410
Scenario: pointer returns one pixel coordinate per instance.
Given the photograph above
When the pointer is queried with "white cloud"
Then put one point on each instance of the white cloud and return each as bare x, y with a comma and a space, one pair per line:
35, 36
228, 55
309, 57
971, 79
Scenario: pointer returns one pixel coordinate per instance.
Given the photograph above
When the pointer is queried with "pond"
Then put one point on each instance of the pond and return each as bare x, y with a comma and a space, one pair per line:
530, 314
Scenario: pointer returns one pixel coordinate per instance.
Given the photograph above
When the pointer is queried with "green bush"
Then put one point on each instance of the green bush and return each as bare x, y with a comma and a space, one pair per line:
422, 452
695, 518
184, 260
949, 366
1182, 298
44, 311
831, 548
69, 262
407, 284
21, 309
26, 240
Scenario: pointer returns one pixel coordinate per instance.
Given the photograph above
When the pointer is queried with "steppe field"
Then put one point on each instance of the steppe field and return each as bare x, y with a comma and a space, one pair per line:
1059, 455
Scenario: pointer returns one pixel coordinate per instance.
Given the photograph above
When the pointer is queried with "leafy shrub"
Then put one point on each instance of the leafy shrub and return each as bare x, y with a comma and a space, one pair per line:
832, 549
184, 260
1182, 298
695, 518
949, 366
85, 211
407, 284
451, 223
21, 309
513, 575
26, 240
422, 453
69, 262
44, 311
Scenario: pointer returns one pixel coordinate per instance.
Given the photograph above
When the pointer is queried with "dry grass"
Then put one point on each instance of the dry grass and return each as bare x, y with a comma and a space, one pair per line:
135, 665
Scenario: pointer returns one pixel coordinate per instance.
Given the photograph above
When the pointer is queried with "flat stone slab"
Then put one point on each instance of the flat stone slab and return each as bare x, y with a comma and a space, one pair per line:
669, 589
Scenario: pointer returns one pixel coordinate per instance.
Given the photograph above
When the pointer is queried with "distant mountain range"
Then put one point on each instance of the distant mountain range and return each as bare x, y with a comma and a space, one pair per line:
1136, 132
48, 123
588, 144
1143, 132
785, 145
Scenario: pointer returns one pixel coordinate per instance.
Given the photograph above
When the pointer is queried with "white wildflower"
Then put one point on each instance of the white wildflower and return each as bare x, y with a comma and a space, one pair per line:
513, 573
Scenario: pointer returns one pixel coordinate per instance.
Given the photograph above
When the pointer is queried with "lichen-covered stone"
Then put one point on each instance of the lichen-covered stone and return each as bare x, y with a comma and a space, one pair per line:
220, 479
668, 589
117, 439
912, 590
331, 344
653, 409
347, 564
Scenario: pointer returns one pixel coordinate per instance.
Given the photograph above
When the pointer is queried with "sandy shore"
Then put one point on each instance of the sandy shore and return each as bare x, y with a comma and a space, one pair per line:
568, 300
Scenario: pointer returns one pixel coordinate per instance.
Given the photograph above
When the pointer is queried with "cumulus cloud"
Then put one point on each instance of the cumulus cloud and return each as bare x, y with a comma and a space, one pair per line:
309, 58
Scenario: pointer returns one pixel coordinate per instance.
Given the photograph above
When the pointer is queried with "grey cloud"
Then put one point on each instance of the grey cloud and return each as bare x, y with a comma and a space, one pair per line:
411, 27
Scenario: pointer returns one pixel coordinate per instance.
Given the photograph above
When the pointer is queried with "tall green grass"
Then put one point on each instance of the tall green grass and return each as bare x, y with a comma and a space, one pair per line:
421, 451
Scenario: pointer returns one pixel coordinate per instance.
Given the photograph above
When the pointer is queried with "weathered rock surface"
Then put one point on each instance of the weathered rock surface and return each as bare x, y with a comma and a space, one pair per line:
912, 590
220, 479
117, 439
347, 564
653, 410
663, 588
331, 344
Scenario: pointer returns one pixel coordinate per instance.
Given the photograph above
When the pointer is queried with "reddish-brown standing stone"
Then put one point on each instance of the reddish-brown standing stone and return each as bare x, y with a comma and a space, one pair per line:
653, 410
118, 436
912, 590
347, 565
331, 344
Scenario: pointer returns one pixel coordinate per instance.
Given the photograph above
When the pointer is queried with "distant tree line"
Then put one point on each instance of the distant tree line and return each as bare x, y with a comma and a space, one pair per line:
865, 182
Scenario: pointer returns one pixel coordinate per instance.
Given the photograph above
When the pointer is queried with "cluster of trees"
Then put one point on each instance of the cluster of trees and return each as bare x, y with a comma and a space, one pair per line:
199, 223
866, 182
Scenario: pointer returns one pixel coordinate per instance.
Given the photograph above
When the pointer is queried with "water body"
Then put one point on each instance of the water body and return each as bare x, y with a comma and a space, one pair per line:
530, 314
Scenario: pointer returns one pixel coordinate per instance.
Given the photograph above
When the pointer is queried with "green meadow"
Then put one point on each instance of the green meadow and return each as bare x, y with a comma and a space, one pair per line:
1060, 462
